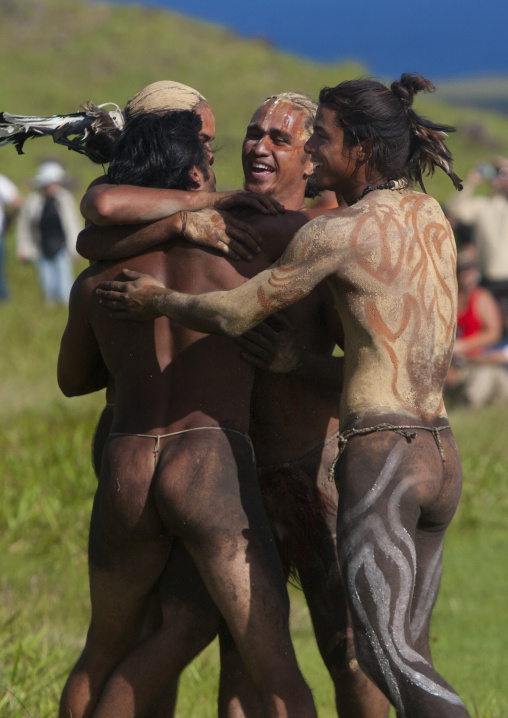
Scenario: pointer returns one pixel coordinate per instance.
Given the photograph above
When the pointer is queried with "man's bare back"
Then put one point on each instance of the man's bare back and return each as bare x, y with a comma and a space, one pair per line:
203, 489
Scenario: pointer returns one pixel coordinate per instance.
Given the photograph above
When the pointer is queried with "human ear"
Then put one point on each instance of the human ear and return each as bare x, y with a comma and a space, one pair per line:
364, 150
197, 177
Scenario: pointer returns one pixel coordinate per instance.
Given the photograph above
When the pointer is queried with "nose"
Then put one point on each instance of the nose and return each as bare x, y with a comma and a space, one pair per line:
261, 145
209, 152
309, 146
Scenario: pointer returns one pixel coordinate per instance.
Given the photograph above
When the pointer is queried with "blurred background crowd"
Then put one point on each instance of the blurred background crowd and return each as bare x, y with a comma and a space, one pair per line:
47, 222
479, 216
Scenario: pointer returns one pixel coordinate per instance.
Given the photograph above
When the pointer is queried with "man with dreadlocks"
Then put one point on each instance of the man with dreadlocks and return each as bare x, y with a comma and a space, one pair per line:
390, 261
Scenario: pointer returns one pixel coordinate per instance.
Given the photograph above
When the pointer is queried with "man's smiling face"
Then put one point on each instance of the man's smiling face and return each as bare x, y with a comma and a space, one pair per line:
273, 158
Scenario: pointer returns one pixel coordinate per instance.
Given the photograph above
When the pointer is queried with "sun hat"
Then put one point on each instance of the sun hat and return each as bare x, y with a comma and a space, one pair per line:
49, 173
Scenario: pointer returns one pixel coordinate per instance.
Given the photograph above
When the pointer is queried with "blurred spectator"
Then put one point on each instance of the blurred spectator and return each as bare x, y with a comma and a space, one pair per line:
479, 329
10, 203
47, 229
488, 218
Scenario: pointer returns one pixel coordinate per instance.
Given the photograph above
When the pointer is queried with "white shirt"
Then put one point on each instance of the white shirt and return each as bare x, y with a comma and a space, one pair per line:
488, 217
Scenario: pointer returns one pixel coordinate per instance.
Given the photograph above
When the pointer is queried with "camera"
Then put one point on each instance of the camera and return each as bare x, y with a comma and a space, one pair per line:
488, 172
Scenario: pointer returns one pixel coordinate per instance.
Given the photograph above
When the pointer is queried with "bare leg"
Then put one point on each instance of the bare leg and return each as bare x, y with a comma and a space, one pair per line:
144, 684
318, 568
238, 694
317, 564
390, 491
216, 508
127, 553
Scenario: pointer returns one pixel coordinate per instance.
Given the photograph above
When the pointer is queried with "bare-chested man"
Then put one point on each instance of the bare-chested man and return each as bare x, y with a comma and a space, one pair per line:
390, 259
293, 452
178, 462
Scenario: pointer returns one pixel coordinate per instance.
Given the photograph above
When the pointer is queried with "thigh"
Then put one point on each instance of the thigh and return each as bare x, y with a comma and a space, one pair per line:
63, 272
435, 517
207, 492
189, 614
396, 499
318, 564
128, 546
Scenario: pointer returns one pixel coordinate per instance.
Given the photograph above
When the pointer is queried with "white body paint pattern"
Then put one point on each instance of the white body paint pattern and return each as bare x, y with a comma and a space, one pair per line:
428, 595
367, 534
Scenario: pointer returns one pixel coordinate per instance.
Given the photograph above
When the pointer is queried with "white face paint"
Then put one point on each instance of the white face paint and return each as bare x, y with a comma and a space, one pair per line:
368, 537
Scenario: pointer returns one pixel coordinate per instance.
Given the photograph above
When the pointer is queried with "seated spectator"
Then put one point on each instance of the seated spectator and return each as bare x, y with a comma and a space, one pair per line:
486, 216
491, 376
479, 329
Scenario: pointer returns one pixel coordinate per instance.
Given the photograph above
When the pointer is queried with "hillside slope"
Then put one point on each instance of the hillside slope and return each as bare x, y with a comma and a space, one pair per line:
57, 54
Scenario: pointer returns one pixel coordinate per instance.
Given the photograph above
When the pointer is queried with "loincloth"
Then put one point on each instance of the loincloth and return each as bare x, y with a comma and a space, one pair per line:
296, 508
408, 432
157, 437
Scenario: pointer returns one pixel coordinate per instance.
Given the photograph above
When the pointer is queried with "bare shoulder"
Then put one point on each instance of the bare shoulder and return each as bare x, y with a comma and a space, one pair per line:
329, 232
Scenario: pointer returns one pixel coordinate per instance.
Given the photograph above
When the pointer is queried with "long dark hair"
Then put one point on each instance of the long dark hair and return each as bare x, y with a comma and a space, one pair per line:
405, 145
159, 150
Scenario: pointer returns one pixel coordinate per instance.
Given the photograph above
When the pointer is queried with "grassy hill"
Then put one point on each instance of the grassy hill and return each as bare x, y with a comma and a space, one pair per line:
484, 92
57, 54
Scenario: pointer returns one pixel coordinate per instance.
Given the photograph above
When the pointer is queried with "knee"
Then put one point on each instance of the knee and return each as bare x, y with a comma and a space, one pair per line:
204, 629
193, 627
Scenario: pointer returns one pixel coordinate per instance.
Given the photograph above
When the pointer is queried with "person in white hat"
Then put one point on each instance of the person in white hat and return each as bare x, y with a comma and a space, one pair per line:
46, 232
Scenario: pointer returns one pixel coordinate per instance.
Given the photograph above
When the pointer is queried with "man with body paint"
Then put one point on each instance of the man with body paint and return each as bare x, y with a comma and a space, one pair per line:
390, 261
297, 371
178, 462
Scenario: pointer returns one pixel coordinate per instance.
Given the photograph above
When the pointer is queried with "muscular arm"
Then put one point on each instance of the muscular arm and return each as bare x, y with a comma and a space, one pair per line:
81, 369
463, 206
116, 228
309, 258
207, 228
103, 243
107, 204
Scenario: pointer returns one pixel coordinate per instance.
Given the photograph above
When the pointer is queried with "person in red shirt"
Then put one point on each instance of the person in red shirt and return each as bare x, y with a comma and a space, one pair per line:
479, 327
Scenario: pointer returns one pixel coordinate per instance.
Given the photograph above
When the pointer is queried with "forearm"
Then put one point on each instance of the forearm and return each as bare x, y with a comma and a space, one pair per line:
462, 206
491, 357
210, 313
107, 205
101, 243
481, 340
235, 311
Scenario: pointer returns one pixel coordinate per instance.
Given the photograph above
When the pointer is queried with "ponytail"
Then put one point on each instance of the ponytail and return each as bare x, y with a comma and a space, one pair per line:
428, 148
404, 145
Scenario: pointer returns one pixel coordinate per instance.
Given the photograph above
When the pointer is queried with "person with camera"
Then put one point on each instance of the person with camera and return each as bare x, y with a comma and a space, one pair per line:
487, 215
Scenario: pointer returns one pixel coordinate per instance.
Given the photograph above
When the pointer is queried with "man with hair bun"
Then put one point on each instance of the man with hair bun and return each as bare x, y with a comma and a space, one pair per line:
389, 258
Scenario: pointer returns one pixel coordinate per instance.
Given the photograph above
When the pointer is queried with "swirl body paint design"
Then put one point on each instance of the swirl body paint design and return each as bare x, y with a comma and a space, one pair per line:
401, 304
379, 560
